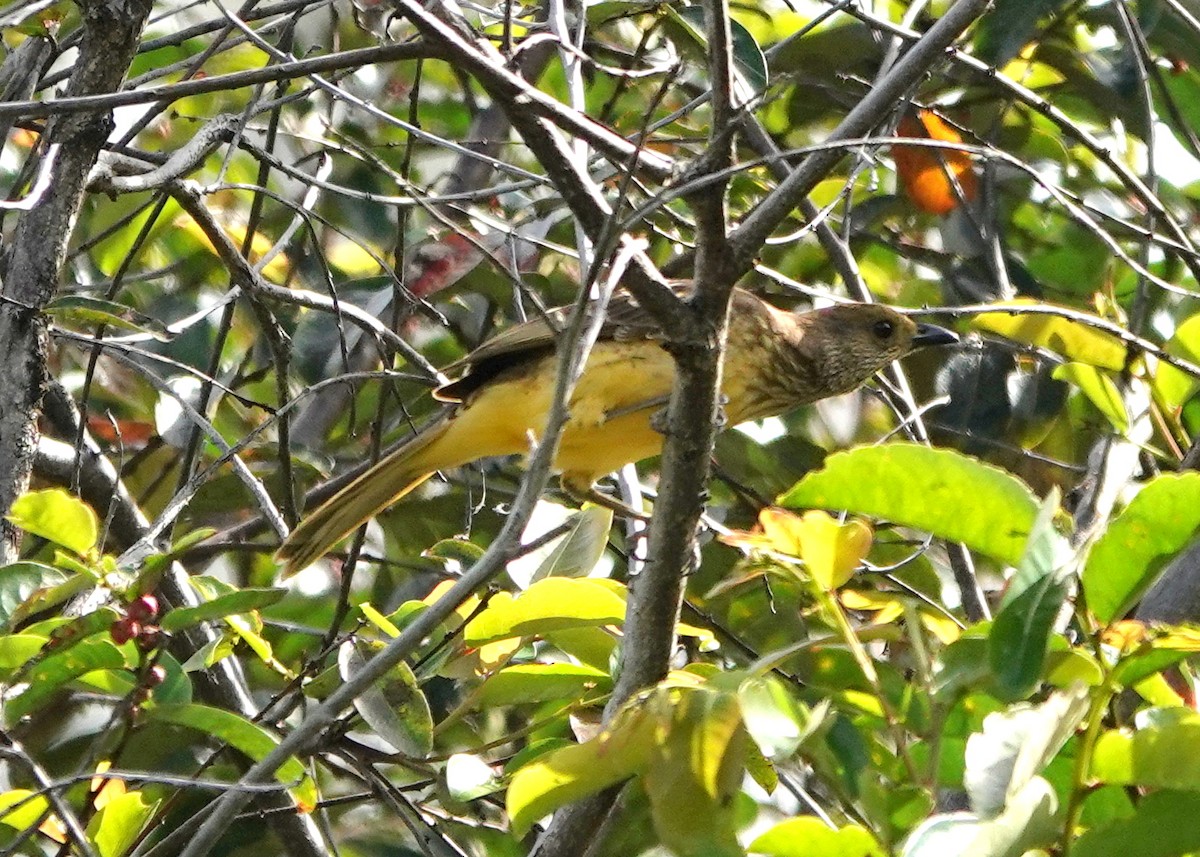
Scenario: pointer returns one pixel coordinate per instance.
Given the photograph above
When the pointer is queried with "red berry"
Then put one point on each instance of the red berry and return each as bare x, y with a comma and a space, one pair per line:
124, 630
143, 609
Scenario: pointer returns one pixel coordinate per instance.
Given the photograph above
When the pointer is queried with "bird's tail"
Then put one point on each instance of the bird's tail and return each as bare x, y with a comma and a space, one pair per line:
393, 476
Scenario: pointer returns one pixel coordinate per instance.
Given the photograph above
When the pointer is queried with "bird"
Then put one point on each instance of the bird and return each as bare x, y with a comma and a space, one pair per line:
775, 361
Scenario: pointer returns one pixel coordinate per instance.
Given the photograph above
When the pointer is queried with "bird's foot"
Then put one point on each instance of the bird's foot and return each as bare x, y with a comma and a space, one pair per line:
590, 494
659, 421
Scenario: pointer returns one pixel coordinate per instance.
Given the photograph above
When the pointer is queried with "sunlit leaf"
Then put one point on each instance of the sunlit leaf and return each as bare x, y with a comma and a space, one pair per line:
811, 837
1100, 389
1163, 753
923, 487
832, 550
1074, 340
565, 775
51, 674
116, 827
549, 605
525, 683
58, 516
1159, 522
1173, 385
697, 767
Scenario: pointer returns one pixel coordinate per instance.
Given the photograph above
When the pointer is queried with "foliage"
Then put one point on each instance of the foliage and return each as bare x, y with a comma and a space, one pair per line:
232, 333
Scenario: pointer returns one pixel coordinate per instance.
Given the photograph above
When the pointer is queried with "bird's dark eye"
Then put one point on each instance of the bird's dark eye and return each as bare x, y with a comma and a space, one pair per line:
882, 329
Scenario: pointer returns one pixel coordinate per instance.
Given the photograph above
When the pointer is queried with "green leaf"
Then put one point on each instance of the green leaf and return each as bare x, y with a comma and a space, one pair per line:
177, 686
562, 776
32, 808
1165, 824
116, 827
394, 706
548, 605
591, 646
83, 311
696, 771
58, 516
53, 672
1159, 522
922, 487
1100, 389
16, 650
1174, 386
248, 738
1164, 754
525, 683
578, 551
1010, 25
229, 604
1021, 631
776, 721
1074, 340
810, 837
20, 581
748, 60
461, 551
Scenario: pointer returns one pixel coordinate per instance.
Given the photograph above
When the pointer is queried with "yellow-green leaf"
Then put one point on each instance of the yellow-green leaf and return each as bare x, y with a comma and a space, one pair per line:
1172, 385
832, 550
926, 488
115, 828
29, 807
58, 516
1100, 389
1163, 756
565, 775
525, 683
1160, 521
807, 836
697, 768
549, 605
1074, 340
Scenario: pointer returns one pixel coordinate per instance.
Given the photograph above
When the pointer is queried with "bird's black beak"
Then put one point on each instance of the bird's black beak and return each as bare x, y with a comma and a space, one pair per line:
931, 334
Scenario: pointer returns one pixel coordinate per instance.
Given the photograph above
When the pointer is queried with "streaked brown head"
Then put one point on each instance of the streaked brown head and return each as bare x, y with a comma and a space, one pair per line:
843, 346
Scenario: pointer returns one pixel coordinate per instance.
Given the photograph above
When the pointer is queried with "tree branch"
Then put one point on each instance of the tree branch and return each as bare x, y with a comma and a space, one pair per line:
110, 38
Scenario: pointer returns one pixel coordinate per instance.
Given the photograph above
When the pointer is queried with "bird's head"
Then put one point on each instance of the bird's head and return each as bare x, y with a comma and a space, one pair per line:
851, 342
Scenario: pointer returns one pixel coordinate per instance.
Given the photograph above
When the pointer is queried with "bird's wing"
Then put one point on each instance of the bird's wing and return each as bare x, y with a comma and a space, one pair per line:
625, 320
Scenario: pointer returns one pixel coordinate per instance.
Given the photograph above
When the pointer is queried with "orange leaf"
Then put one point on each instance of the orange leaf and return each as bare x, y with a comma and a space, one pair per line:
926, 172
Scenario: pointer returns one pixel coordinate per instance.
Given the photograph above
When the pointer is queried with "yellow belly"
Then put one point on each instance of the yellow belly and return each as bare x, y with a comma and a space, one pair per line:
608, 424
